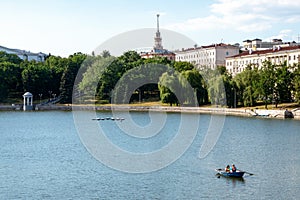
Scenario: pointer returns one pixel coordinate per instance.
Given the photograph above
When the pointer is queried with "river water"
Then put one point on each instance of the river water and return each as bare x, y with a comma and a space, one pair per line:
42, 157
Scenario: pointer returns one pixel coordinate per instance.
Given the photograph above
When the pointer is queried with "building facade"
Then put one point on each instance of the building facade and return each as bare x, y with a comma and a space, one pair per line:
25, 55
277, 55
158, 53
207, 56
258, 44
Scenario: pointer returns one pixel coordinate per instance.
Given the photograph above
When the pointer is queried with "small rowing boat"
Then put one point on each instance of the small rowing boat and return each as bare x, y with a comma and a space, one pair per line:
236, 173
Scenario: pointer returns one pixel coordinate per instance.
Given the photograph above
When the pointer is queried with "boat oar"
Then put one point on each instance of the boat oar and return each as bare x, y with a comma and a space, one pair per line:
218, 174
248, 173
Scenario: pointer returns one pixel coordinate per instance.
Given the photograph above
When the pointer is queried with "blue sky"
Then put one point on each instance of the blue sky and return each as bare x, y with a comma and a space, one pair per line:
65, 27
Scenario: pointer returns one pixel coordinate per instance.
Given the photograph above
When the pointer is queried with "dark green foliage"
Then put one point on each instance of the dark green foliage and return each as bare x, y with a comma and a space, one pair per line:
246, 87
130, 78
112, 73
69, 75
198, 84
296, 83
270, 84
283, 85
142, 80
12, 58
36, 78
183, 66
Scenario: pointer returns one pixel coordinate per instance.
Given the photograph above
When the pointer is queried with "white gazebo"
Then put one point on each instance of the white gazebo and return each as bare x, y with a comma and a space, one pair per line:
28, 99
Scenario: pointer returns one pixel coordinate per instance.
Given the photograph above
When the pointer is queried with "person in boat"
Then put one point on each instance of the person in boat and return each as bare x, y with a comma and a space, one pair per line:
233, 168
227, 168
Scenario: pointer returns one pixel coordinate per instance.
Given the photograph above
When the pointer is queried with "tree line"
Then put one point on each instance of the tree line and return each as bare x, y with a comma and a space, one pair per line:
130, 78
52, 78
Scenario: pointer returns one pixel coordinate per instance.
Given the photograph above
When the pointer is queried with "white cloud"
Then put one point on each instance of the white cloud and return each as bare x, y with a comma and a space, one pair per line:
283, 34
205, 23
293, 19
244, 15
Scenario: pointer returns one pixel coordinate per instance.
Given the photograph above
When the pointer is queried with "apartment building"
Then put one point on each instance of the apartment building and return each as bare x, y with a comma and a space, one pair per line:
207, 56
25, 55
276, 55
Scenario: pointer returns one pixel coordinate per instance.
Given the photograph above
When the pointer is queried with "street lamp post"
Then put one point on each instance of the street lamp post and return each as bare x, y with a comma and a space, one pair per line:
53, 96
40, 95
50, 92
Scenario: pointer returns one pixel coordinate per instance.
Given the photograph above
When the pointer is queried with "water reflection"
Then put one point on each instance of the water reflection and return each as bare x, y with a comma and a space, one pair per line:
232, 180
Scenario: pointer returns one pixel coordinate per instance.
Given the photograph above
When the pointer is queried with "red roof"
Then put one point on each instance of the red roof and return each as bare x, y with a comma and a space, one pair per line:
246, 53
208, 46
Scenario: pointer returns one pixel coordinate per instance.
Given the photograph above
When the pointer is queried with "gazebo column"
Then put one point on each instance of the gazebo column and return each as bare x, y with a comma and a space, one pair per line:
28, 101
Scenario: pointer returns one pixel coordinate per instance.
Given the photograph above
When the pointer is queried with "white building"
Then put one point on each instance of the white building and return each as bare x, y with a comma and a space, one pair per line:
25, 55
207, 56
276, 55
258, 44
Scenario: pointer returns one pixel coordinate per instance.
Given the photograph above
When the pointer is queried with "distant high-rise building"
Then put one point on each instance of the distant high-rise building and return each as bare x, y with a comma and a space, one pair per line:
157, 50
157, 38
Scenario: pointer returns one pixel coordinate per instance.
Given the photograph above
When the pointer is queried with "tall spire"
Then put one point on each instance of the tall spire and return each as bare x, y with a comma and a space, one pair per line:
157, 38
157, 21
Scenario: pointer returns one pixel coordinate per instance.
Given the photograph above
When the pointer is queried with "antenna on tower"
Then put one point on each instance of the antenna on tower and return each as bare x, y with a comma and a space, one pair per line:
157, 22
157, 39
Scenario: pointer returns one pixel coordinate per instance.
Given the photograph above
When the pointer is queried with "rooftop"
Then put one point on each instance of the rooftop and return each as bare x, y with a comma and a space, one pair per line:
278, 49
208, 46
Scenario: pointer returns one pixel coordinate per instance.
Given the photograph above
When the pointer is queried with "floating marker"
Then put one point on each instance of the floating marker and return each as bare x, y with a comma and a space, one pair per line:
109, 118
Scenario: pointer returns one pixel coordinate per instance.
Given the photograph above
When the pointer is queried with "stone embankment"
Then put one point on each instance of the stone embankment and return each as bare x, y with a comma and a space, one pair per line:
295, 113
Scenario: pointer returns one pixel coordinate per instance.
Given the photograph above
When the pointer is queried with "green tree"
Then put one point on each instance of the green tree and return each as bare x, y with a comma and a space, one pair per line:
68, 77
216, 83
92, 76
12, 58
139, 80
36, 77
115, 71
183, 66
176, 89
166, 82
105, 54
159, 60
57, 66
247, 86
266, 86
283, 84
10, 76
296, 83
198, 84
9, 79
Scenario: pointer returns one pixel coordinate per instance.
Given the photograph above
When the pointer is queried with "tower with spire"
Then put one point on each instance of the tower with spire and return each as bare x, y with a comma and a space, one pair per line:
157, 50
157, 38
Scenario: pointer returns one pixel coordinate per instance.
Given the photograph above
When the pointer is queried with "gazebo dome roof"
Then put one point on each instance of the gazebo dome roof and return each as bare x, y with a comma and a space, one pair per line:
27, 94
